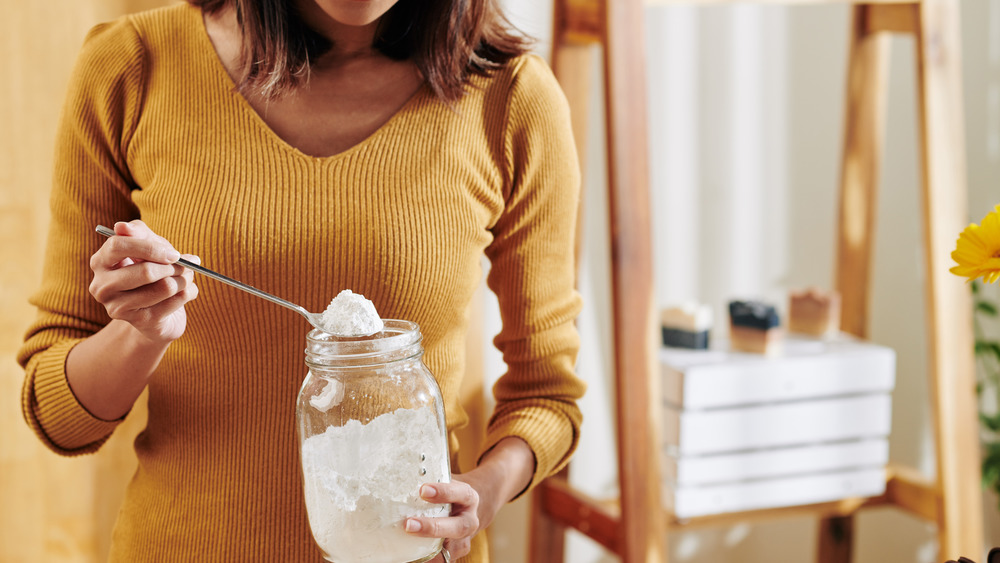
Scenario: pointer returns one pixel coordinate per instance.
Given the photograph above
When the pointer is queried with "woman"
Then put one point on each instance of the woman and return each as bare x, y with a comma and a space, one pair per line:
302, 146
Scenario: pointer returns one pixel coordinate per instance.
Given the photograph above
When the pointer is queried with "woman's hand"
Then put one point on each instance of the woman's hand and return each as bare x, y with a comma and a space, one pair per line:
137, 280
142, 288
457, 528
476, 497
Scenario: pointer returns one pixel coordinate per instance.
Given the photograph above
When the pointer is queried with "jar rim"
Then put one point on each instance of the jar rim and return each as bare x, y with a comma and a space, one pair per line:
396, 336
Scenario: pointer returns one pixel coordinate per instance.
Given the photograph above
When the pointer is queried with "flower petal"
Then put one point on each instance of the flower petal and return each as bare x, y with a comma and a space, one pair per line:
977, 249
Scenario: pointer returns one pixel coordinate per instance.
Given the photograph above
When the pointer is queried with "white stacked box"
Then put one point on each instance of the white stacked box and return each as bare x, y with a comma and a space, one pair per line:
744, 431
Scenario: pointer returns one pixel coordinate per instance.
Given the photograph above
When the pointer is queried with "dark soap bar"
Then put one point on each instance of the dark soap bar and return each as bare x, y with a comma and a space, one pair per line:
753, 314
685, 339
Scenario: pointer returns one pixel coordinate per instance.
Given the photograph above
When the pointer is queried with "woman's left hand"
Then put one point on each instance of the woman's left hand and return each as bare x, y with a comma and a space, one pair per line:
476, 497
458, 528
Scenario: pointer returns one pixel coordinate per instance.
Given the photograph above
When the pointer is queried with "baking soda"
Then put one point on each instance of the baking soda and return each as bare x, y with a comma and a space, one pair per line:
362, 482
351, 314
331, 395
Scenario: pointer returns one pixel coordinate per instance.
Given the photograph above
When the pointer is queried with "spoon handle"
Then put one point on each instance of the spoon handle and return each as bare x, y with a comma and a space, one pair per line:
227, 280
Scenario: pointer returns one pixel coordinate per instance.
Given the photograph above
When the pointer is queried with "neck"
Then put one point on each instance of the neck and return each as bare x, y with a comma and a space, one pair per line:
349, 42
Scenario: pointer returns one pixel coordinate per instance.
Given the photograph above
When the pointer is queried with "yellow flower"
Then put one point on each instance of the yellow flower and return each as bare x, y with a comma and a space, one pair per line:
977, 251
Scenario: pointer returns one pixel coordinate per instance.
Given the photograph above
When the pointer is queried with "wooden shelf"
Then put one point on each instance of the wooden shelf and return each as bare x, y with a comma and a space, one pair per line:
634, 526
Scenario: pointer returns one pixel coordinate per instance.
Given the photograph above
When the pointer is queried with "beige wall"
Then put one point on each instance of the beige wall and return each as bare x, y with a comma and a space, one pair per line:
54, 509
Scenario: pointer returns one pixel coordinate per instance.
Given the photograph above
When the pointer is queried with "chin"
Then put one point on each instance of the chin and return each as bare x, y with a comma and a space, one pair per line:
355, 12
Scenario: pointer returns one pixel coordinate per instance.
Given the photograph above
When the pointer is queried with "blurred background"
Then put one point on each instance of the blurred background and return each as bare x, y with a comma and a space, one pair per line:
745, 129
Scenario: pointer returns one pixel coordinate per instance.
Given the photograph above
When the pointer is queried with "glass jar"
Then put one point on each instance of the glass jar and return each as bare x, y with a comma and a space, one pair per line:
371, 432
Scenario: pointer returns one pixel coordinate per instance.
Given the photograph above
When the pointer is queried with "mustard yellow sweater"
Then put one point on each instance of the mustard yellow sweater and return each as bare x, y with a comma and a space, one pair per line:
153, 129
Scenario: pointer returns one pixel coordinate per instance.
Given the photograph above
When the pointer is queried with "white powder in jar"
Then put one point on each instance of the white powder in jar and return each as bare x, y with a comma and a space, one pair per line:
331, 395
362, 481
351, 314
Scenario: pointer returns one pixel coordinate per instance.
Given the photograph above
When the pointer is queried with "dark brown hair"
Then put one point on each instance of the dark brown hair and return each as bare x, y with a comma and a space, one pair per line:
449, 40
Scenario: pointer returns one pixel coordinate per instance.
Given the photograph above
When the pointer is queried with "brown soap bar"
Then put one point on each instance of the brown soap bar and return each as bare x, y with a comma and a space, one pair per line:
814, 312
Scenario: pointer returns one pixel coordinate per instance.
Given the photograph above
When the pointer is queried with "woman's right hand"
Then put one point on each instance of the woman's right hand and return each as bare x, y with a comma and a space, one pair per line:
137, 280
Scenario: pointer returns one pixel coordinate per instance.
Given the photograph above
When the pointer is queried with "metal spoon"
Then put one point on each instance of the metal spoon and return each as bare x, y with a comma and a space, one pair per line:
314, 319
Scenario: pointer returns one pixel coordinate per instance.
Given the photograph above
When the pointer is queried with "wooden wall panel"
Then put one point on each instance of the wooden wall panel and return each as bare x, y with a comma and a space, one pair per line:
54, 508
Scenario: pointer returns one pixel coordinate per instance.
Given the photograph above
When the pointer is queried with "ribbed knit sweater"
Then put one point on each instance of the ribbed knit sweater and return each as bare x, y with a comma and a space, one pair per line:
153, 129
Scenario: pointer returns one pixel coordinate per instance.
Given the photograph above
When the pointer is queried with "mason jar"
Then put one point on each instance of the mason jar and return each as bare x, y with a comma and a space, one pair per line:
371, 432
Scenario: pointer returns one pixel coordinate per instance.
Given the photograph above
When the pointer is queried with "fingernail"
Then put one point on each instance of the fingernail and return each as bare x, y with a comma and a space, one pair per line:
413, 526
195, 258
428, 491
173, 255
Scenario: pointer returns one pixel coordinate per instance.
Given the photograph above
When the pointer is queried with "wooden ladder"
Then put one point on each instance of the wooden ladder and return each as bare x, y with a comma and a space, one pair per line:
635, 526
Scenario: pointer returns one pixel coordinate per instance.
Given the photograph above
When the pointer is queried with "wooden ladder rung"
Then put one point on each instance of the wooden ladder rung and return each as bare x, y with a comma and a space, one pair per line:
906, 488
579, 21
892, 18
909, 490
600, 521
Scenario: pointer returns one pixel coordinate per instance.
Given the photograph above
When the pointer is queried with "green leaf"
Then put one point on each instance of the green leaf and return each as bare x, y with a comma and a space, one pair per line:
987, 360
988, 348
992, 452
991, 465
991, 473
993, 423
986, 308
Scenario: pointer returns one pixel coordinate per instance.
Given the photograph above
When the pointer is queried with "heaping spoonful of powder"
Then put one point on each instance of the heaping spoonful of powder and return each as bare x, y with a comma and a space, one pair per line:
351, 314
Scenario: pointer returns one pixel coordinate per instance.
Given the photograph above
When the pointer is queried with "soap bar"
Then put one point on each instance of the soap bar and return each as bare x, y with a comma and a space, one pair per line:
814, 312
754, 327
686, 326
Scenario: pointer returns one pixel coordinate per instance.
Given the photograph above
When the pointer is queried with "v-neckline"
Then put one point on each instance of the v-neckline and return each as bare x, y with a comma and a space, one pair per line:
219, 69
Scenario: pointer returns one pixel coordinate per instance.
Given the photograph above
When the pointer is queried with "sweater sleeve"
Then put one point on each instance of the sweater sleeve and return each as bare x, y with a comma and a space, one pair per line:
533, 275
91, 186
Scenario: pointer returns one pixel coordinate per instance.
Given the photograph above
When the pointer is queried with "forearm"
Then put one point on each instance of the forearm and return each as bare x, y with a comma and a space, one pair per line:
502, 474
108, 371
